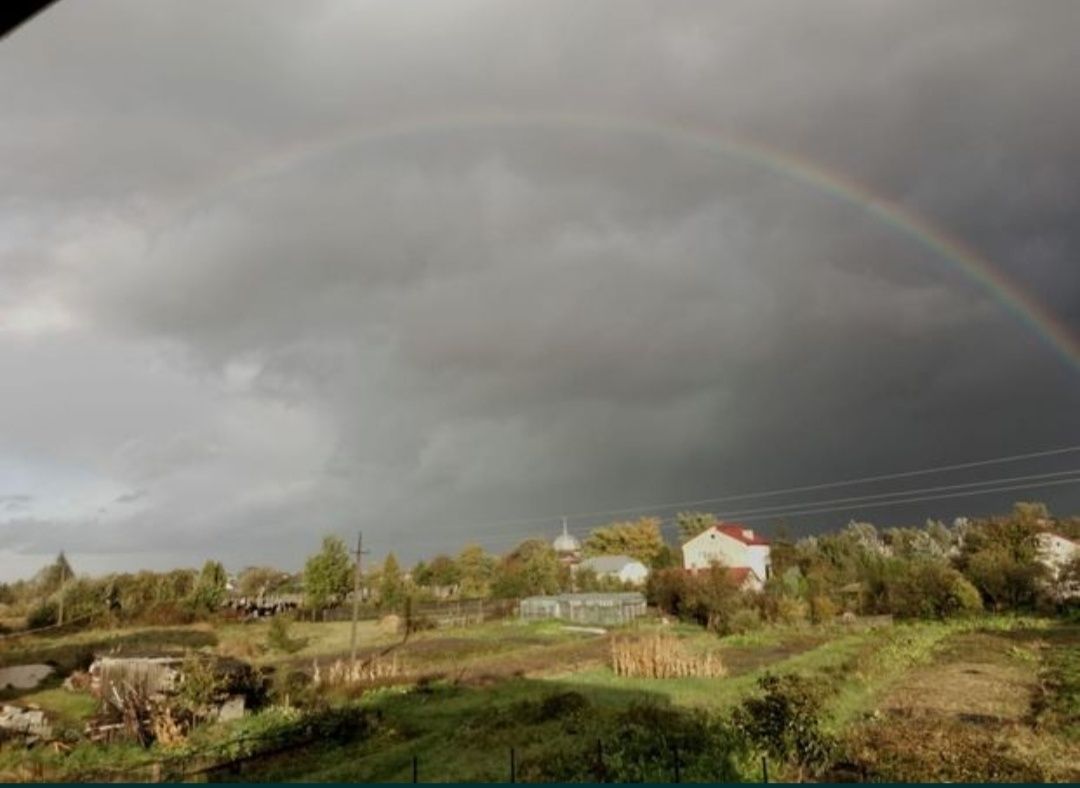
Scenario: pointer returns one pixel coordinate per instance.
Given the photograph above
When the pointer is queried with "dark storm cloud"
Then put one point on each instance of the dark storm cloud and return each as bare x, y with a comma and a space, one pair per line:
473, 322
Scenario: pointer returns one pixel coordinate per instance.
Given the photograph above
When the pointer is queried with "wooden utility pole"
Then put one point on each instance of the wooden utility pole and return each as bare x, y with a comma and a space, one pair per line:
60, 606
356, 595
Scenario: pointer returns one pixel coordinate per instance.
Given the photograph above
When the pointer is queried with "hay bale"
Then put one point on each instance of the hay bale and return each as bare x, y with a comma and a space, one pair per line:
389, 624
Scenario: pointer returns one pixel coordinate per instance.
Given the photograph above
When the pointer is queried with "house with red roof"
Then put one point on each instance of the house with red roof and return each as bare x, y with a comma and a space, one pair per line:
732, 545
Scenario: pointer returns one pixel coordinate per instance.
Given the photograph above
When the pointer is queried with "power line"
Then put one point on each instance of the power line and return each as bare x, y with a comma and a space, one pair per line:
879, 504
789, 490
879, 496
868, 505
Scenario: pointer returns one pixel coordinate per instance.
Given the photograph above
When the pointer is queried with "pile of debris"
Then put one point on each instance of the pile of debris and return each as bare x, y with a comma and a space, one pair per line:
160, 698
29, 723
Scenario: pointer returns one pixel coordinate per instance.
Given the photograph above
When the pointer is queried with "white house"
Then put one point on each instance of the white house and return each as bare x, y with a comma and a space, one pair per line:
732, 545
621, 567
1056, 551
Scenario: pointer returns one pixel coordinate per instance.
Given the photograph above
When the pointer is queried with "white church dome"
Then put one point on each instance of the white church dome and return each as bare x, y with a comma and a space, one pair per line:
565, 543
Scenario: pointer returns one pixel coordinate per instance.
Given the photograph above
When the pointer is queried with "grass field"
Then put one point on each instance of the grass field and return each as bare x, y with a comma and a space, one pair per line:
993, 698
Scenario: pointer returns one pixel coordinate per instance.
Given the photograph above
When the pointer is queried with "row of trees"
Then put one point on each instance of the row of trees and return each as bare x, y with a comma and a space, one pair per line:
532, 567
935, 571
929, 571
176, 596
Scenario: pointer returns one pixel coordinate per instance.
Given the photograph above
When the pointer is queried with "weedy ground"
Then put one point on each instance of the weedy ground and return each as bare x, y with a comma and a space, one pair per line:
990, 698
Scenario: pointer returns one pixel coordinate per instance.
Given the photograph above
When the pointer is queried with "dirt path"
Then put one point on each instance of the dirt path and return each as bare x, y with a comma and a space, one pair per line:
978, 677
967, 716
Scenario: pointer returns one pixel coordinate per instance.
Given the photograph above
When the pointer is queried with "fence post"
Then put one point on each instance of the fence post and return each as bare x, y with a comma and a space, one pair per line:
513, 770
678, 774
600, 776
764, 768
415, 773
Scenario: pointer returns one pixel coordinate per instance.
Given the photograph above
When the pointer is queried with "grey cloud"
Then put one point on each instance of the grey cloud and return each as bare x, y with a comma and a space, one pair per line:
287, 324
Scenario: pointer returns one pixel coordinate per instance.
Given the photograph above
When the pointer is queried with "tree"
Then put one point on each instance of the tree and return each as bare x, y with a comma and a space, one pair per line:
211, 587
476, 569
530, 568
391, 585
690, 524
640, 539
931, 589
49, 579
175, 586
256, 581
441, 571
328, 575
710, 598
1001, 557
1005, 581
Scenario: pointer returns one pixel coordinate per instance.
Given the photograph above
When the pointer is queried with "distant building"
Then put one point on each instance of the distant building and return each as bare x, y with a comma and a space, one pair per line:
599, 609
1056, 551
567, 548
619, 567
734, 546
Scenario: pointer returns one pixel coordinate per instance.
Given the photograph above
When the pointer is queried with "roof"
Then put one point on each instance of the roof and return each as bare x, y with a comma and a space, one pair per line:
741, 533
1052, 535
739, 573
602, 564
633, 597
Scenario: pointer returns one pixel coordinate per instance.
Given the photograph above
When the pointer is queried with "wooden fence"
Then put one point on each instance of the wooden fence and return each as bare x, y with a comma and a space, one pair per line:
456, 613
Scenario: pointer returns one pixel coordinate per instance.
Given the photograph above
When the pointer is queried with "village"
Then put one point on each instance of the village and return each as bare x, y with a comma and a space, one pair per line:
967, 630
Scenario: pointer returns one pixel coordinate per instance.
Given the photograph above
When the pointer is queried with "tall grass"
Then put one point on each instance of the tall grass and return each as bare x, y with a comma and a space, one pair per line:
661, 656
347, 673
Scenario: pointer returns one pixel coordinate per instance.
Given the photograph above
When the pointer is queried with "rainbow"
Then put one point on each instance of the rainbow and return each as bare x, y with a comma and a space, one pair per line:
947, 248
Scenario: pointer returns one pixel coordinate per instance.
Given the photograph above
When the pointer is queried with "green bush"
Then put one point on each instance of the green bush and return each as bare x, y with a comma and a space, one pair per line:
44, 615
745, 620
931, 589
785, 722
278, 637
822, 609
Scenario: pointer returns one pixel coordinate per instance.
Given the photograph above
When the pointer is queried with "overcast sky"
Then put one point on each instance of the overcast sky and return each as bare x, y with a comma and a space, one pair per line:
422, 269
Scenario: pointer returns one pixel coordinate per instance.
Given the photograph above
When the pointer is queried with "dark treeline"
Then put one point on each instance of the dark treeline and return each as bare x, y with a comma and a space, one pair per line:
931, 571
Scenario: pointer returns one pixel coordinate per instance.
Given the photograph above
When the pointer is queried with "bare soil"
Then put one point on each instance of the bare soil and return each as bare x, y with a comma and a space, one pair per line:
967, 716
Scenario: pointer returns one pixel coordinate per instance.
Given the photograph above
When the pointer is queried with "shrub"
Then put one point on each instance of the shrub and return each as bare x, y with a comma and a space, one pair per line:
44, 615
278, 637
785, 722
929, 589
745, 620
791, 610
822, 609
710, 598
561, 704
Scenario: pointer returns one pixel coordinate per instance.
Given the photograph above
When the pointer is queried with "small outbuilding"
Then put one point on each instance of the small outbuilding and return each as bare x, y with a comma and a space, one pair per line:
617, 567
603, 609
